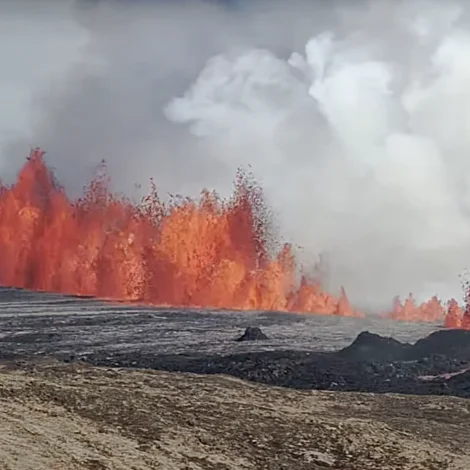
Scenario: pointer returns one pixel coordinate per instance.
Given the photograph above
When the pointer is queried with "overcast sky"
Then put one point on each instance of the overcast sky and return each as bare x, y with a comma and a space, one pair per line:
359, 139
39, 41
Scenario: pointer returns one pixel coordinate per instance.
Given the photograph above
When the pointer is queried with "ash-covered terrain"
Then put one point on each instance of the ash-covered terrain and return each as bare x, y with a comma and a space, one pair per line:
296, 351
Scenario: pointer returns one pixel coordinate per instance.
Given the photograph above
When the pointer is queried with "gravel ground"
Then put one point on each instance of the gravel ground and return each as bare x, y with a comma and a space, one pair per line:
56, 416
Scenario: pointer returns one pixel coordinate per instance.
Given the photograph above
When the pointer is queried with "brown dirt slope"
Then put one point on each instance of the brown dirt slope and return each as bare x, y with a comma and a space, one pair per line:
55, 417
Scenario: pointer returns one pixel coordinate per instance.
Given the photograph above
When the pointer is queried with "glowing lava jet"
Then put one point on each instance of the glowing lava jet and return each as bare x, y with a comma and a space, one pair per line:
211, 253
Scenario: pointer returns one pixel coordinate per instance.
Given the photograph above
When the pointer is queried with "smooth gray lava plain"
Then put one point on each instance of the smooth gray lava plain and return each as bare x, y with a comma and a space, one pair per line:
38, 323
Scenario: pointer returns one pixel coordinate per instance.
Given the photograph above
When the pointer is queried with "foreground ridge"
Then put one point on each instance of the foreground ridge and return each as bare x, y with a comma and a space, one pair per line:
81, 418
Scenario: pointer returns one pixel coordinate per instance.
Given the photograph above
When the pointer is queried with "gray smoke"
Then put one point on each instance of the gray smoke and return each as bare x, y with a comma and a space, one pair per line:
353, 115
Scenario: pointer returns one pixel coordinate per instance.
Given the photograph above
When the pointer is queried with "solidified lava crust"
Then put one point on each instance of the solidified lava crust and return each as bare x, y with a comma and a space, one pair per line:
436, 365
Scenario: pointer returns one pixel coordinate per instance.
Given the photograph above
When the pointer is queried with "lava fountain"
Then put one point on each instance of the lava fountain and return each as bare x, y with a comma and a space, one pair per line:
210, 253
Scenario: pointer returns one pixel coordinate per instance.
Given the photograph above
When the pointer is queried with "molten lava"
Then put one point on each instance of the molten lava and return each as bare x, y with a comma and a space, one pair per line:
209, 253
432, 311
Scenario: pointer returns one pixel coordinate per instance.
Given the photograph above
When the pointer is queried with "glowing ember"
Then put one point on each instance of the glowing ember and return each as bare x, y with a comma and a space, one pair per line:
209, 253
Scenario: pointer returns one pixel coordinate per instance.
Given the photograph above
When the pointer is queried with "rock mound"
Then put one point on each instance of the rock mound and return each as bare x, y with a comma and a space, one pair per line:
372, 347
451, 343
252, 333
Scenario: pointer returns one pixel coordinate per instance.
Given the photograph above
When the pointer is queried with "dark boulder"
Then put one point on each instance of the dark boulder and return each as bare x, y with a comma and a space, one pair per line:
372, 347
252, 333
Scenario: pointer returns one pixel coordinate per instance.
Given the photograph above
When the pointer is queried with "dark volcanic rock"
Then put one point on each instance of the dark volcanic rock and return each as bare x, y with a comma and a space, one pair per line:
372, 347
370, 364
450, 343
36, 337
460, 384
252, 334
438, 364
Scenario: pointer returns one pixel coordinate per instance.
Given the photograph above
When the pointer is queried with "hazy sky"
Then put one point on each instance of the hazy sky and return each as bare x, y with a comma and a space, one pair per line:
354, 116
38, 43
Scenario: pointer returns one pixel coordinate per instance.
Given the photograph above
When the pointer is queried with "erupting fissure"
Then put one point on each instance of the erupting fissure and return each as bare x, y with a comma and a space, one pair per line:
208, 253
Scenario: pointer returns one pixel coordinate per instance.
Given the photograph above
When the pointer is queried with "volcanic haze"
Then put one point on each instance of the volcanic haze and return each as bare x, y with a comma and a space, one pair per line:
352, 115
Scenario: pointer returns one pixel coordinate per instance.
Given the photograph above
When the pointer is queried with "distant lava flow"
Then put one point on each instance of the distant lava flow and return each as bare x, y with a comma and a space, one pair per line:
208, 253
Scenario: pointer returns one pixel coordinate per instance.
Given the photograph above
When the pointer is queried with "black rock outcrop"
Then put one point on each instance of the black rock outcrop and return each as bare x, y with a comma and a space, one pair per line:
372, 347
451, 343
252, 333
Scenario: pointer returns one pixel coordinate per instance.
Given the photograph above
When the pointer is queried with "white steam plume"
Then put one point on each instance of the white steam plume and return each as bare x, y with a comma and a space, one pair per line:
354, 117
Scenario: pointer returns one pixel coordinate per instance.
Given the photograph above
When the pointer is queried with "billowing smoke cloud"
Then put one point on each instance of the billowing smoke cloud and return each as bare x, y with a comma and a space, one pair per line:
353, 115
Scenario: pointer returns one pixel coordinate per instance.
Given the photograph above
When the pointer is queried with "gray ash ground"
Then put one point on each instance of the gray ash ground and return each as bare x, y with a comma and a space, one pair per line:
302, 351
39, 323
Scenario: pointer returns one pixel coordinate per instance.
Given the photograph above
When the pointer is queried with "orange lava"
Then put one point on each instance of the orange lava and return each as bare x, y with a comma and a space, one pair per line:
207, 253
452, 316
432, 310
456, 316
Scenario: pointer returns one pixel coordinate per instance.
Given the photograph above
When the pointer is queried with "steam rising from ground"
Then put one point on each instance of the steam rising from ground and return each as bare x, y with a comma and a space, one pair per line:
355, 119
